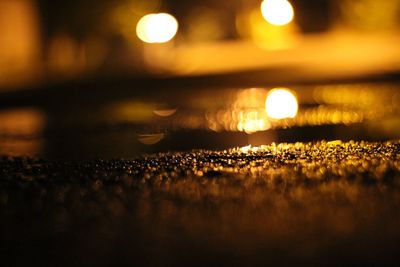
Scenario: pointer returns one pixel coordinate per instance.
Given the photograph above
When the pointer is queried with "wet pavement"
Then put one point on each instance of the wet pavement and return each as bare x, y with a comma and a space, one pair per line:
312, 203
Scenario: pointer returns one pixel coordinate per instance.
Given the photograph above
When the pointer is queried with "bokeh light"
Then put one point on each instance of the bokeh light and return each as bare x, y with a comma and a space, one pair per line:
281, 103
150, 139
157, 28
165, 112
277, 12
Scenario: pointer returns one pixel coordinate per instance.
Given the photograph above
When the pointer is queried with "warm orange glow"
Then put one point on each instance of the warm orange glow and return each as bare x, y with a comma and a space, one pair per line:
251, 149
281, 103
247, 113
19, 41
157, 28
20, 132
22, 122
165, 112
150, 139
370, 14
271, 37
252, 122
277, 12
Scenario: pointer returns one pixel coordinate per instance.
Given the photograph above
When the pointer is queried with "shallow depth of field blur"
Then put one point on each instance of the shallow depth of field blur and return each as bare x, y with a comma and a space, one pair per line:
126, 77
199, 132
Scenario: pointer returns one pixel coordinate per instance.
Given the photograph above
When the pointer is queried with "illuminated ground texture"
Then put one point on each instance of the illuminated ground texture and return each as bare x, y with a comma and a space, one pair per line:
326, 202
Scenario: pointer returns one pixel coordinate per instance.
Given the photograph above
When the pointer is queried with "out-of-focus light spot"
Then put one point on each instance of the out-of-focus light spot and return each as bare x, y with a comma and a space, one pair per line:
157, 28
249, 109
150, 139
247, 113
252, 98
253, 126
281, 103
245, 149
277, 12
251, 149
165, 112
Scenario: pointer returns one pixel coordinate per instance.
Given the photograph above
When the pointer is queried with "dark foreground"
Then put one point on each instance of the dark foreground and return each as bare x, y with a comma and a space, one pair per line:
320, 203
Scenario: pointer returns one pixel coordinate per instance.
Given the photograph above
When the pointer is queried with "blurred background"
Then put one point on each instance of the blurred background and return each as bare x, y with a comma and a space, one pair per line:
118, 78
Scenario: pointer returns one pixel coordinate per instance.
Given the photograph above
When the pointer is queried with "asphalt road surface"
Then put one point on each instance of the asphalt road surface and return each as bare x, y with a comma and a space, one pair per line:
308, 203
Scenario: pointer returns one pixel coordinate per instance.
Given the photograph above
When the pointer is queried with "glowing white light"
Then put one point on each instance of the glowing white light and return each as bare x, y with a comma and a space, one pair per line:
157, 28
277, 12
281, 104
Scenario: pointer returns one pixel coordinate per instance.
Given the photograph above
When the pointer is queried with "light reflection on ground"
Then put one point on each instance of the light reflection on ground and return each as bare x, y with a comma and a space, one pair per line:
190, 118
21, 132
311, 203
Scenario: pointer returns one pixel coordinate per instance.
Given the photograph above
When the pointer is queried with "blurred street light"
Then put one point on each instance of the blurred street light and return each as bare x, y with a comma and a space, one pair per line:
157, 28
277, 12
281, 103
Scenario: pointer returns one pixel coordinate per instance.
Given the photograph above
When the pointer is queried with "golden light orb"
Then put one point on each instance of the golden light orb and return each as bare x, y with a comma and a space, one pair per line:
277, 12
157, 28
281, 103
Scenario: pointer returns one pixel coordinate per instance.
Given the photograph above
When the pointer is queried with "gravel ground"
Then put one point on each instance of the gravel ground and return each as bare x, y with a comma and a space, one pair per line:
311, 203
